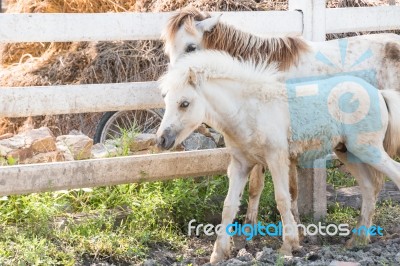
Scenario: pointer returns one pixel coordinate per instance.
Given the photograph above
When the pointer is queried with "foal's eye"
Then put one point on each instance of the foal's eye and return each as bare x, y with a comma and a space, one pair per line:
190, 48
184, 104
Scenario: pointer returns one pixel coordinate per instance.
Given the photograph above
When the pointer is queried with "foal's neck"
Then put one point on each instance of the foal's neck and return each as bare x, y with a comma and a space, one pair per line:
232, 106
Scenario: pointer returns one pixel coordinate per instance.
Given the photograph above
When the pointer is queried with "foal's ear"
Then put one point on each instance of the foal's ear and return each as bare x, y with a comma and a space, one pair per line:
193, 77
208, 24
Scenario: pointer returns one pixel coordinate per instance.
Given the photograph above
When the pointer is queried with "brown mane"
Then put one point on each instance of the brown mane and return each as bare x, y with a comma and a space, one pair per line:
185, 17
285, 51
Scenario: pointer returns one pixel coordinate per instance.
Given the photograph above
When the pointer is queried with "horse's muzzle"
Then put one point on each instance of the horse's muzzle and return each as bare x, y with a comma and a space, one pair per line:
167, 139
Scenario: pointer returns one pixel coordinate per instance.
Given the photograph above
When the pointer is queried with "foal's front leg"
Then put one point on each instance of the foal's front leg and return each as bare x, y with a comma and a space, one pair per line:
278, 164
238, 172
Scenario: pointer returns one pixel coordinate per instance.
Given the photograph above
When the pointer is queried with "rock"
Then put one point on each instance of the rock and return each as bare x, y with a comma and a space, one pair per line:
48, 157
20, 154
79, 146
27, 144
244, 255
101, 150
142, 142
265, 255
347, 196
4, 150
150, 263
366, 261
236, 262
65, 151
40, 140
343, 263
197, 141
397, 257
267, 250
16, 148
376, 251
218, 139
389, 192
351, 196
13, 143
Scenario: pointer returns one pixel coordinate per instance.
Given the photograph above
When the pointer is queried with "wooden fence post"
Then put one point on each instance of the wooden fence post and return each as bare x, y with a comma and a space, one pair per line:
312, 182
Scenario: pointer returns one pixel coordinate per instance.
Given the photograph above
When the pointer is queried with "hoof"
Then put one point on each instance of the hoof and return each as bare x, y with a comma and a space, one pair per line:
219, 254
215, 258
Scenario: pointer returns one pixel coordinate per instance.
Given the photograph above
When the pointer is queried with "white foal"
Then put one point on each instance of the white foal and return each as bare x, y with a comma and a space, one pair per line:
267, 122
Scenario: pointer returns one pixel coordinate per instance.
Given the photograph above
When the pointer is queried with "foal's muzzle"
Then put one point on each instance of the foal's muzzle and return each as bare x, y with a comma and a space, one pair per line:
167, 139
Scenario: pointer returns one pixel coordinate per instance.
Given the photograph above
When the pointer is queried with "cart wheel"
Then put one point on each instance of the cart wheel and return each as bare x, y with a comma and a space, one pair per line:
112, 124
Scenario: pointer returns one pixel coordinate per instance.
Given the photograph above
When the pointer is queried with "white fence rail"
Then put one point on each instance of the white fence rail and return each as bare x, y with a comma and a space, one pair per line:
362, 19
71, 99
128, 26
307, 17
111, 171
148, 26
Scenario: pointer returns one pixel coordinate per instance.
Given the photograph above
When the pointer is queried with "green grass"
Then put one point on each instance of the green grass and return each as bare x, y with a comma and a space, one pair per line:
338, 178
43, 228
120, 222
126, 223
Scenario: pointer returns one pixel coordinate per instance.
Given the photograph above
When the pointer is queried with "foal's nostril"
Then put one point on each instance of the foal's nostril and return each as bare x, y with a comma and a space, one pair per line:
162, 141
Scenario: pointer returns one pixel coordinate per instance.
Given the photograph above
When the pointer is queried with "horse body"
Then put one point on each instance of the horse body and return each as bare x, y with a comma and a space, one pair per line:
352, 56
250, 106
374, 58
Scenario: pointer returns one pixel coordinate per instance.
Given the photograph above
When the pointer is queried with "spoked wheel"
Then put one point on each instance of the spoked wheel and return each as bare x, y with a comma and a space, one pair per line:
113, 124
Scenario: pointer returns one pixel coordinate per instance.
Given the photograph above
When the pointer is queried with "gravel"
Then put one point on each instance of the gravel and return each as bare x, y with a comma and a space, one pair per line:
382, 252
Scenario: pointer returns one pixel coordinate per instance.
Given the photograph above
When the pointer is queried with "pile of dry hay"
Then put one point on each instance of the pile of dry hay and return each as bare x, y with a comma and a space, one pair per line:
42, 64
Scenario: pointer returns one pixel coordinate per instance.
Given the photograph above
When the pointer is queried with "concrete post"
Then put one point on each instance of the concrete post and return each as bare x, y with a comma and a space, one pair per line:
313, 18
312, 182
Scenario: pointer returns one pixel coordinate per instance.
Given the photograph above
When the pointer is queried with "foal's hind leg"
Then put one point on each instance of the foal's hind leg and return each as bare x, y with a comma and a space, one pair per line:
256, 186
380, 160
389, 167
293, 188
370, 182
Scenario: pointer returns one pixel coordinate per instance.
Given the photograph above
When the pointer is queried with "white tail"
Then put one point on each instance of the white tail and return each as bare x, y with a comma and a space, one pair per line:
391, 142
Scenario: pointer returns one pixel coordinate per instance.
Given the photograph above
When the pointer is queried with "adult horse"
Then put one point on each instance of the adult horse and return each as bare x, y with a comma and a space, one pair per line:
375, 58
258, 115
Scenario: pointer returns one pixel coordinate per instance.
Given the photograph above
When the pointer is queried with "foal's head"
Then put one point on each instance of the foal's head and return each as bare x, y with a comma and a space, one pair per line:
184, 109
184, 32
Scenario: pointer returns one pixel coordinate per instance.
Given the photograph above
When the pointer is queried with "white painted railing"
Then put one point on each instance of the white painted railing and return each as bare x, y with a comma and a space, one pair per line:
307, 17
